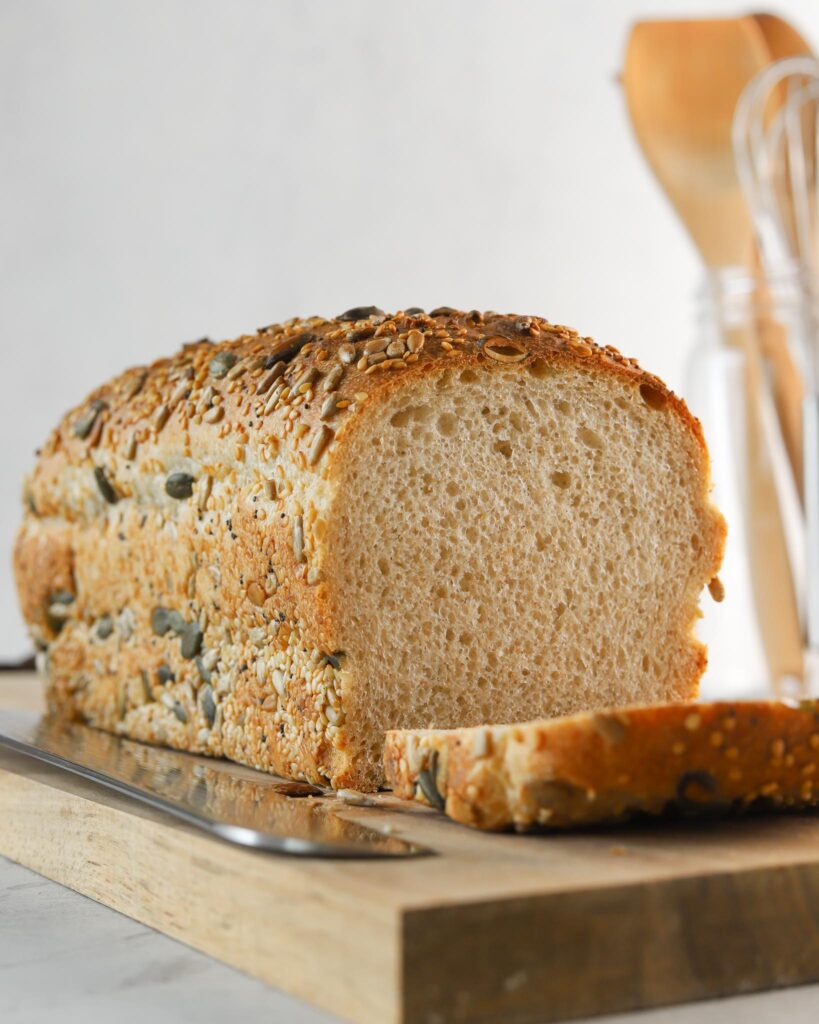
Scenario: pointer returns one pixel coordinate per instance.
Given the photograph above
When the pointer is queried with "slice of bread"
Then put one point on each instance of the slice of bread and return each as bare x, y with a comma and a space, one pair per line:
691, 759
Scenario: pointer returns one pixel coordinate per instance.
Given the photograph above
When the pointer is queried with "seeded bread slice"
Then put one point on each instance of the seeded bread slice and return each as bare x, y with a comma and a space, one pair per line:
274, 549
694, 759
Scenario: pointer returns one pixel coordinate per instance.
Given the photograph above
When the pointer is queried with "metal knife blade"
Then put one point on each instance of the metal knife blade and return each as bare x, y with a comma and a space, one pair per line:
228, 801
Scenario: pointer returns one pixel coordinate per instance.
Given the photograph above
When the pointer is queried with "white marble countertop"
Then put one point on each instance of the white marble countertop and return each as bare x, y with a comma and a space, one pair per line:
63, 954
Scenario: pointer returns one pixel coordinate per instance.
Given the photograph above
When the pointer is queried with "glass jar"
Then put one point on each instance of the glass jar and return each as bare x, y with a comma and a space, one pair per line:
744, 382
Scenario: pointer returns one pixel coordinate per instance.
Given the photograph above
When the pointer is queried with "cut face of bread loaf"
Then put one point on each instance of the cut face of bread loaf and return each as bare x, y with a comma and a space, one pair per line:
277, 548
696, 760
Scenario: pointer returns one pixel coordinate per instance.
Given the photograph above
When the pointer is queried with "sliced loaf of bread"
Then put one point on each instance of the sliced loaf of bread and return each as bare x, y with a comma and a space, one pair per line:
276, 548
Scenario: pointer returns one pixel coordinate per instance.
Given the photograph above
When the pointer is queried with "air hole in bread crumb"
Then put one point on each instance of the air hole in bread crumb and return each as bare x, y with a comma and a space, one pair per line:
590, 438
653, 397
540, 368
447, 424
401, 418
468, 376
504, 447
467, 581
560, 479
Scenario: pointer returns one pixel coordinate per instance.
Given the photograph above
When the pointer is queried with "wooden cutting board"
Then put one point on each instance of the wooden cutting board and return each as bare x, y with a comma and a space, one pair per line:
496, 928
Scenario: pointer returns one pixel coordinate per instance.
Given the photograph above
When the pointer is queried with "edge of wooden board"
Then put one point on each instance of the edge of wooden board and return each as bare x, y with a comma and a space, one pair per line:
603, 951
280, 919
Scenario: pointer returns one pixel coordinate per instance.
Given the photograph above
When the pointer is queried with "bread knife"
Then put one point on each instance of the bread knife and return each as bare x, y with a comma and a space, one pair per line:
223, 799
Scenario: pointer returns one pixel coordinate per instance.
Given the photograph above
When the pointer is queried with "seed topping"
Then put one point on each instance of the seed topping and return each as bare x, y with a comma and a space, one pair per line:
272, 375
329, 407
333, 378
221, 363
415, 341
502, 350
298, 538
106, 488
205, 673
321, 439
85, 424
179, 486
191, 640
207, 704
161, 417
104, 627
360, 313
160, 620
134, 386
428, 784
289, 347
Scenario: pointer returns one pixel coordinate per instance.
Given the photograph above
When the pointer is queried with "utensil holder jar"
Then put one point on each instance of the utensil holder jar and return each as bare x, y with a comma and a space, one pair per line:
745, 383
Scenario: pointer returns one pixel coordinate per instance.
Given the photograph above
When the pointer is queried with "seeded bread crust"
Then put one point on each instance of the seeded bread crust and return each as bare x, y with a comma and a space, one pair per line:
170, 565
691, 759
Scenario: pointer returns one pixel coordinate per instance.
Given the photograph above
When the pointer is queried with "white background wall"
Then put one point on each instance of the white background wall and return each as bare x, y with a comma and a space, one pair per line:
172, 168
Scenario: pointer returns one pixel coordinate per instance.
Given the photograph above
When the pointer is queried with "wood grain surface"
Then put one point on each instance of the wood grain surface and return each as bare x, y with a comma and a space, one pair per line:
494, 928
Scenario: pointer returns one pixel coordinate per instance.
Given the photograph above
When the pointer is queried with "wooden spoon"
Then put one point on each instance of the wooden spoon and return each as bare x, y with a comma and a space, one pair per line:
781, 38
682, 81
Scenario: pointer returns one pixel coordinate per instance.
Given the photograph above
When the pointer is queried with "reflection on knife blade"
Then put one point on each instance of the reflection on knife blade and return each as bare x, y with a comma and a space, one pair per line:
231, 802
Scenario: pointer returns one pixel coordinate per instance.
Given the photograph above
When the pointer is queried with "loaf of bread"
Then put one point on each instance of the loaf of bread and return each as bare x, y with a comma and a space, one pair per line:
276, 548
690, 759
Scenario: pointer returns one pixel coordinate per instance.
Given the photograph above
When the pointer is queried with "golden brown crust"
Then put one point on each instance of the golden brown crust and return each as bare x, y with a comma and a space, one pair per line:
195, 485
694, 759
149, 405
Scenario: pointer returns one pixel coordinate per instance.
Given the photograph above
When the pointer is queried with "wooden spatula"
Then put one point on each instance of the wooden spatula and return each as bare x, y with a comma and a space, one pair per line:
682, 81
